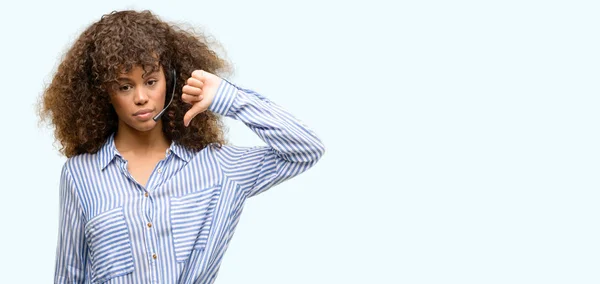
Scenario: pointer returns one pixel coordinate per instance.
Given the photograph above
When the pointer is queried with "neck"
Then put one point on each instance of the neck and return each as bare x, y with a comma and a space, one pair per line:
132, 141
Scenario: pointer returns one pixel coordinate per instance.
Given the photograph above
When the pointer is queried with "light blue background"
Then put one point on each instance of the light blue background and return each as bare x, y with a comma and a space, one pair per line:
462, 137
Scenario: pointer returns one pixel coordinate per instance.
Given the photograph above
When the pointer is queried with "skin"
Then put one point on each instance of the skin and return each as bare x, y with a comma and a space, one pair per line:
137, 100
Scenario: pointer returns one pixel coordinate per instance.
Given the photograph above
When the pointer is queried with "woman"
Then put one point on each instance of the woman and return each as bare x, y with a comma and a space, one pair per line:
149, 196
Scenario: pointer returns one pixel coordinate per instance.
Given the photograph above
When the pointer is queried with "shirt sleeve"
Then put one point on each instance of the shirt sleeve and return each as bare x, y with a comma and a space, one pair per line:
292, 147
71, 247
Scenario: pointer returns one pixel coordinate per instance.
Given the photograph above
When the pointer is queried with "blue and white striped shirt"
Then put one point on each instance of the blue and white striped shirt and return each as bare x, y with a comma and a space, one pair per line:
176, 230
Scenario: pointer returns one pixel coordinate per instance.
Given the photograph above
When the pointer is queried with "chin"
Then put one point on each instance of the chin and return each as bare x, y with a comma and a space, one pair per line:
142, 126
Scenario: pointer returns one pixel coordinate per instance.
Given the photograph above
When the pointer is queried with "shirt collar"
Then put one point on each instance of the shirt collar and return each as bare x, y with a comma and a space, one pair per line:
109, 151
180, 151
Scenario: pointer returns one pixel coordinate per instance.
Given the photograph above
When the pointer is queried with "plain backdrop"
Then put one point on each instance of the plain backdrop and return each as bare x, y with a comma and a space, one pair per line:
462, 137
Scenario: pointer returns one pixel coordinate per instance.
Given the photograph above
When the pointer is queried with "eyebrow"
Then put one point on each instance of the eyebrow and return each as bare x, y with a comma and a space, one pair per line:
127, 78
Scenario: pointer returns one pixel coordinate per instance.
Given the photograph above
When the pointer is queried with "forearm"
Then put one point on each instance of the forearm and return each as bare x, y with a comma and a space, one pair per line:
291, 139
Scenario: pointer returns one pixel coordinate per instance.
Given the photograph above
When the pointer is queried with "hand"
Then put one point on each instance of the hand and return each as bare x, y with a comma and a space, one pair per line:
199, 91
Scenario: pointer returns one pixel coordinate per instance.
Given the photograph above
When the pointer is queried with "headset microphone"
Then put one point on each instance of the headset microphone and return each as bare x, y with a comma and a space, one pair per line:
172, 95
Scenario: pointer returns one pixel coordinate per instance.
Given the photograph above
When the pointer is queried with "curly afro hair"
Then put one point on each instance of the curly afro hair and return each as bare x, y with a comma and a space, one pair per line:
77, 101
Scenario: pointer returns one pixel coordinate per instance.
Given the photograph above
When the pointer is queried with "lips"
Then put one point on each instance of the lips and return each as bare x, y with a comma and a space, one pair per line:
142, 112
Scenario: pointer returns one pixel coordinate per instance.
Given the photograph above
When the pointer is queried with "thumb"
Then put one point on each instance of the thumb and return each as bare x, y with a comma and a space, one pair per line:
191, 113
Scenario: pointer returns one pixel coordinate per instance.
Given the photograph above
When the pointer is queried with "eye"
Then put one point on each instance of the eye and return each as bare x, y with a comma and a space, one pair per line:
124, 88
152, 82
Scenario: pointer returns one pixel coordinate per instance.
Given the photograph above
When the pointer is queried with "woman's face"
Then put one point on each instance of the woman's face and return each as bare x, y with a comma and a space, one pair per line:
137, 100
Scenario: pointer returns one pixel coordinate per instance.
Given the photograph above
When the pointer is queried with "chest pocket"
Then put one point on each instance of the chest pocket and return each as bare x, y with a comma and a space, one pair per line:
110, 246
191, 220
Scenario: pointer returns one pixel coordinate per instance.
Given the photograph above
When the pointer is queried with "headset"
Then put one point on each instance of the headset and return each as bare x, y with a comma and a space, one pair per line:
173, 79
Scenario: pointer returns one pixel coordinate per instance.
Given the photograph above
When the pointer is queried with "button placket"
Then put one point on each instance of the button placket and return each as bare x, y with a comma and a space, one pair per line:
148, 209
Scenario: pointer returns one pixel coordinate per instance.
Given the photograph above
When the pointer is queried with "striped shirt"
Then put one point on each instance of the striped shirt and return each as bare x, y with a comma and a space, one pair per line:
178, 227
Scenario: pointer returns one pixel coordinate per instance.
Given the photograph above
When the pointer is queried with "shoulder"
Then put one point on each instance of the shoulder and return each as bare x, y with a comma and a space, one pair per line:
232, 157
81, 164
230, 150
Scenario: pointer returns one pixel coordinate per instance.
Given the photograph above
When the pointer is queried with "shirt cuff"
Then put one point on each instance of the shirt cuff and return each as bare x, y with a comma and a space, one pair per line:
223, 100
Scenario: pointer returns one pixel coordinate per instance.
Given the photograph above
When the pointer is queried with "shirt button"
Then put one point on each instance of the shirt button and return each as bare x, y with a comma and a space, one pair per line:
149, 225
154, 256
146, 194
159, 170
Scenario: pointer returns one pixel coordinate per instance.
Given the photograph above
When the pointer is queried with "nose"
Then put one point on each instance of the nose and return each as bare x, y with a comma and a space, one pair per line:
140, 97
